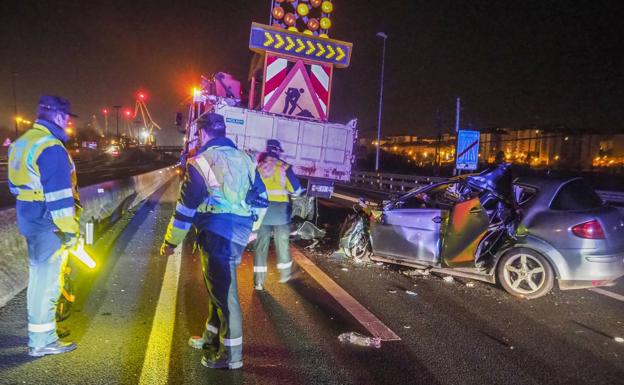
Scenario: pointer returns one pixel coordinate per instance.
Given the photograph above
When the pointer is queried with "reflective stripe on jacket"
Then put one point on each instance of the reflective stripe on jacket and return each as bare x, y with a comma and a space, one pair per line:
42, 177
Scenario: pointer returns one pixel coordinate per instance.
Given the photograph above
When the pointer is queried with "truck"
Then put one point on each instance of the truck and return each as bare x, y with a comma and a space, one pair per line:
320, 152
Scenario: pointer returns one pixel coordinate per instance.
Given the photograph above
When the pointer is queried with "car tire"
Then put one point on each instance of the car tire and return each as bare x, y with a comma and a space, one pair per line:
525, 273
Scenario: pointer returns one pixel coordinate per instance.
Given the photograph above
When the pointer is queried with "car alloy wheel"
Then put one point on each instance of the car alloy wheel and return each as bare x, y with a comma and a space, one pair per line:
525, 273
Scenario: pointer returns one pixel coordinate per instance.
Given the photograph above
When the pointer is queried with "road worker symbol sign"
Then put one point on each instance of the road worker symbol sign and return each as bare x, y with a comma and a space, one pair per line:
300, 45
467, 150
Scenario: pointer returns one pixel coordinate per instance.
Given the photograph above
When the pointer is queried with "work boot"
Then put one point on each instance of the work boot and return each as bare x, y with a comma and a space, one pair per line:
198, 342
220, 360
56, 347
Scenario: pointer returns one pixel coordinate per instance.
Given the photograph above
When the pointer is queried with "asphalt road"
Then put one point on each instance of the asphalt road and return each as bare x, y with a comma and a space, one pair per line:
450, 333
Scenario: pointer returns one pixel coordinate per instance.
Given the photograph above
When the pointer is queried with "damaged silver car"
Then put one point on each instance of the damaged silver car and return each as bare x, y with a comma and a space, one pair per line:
522, 235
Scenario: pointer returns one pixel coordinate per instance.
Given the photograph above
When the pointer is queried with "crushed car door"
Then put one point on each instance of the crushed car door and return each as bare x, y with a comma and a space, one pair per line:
467, 225
410, 234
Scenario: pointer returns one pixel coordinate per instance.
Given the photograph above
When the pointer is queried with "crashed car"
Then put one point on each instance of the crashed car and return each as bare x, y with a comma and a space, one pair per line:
545, 229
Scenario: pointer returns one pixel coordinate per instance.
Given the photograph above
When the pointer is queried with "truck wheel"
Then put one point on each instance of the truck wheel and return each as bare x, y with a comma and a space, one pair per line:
525, 273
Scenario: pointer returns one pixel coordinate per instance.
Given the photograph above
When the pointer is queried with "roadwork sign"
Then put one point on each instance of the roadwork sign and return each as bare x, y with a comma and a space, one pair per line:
467, 150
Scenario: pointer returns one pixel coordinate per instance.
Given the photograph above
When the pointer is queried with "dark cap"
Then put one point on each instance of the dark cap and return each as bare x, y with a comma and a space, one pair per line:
273, 145
212, 122
55, 103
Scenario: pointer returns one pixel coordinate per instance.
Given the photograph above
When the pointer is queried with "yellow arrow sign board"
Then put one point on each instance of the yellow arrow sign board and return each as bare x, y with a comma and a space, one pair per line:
274, 39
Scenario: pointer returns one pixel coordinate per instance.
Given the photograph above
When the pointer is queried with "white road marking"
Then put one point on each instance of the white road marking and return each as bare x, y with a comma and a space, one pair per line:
350, 304
157, 356
608, 293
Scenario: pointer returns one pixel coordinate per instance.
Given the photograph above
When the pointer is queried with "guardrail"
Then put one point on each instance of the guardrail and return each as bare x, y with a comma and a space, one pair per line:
103, 202
402, 183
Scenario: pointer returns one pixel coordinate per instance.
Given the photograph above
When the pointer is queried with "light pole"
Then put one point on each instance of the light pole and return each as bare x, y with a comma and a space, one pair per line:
117, 119
383, 59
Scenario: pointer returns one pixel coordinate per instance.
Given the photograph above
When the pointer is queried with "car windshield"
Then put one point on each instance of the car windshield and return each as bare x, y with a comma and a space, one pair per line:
443, 195
576, 195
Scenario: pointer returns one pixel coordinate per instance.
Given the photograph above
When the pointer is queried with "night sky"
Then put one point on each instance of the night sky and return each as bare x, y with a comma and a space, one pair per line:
513, 63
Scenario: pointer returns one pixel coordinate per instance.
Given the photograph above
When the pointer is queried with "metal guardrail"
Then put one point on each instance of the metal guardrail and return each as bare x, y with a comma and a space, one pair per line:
403, 183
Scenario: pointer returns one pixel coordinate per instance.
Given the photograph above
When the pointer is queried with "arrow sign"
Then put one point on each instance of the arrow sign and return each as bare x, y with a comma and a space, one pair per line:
280, 41
269, 40
277, 40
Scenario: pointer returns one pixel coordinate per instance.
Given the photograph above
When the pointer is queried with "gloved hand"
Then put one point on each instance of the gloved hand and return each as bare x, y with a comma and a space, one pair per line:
166, 249
69, 241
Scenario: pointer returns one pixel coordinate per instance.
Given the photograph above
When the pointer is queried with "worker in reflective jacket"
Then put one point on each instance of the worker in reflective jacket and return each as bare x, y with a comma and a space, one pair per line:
43, 180
213, 199
280, 182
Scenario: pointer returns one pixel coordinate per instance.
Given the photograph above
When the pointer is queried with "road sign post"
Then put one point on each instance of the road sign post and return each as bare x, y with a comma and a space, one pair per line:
467, 150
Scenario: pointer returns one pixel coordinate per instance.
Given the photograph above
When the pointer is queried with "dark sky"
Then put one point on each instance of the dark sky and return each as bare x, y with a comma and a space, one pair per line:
513, 63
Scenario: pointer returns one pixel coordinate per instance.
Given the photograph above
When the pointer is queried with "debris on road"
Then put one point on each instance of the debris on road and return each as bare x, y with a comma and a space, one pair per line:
309, 231
449, 278
392, 291
344, 269
416, 272
470, 284
409, 292
355, 338
378, 263
407, 327
618, 339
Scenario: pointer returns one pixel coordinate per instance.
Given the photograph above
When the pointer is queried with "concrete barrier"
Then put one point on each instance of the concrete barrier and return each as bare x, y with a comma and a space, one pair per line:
103, 204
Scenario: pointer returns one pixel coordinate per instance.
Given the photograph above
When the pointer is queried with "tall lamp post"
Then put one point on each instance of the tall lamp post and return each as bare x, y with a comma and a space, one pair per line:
383, 59
117, 119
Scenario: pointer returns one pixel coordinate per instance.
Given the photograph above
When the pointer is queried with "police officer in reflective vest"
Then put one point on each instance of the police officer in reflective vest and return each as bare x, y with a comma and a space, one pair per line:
280, 182
42, 177
213, 199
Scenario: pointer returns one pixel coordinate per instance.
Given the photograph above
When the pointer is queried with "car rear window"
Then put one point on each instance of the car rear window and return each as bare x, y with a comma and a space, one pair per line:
576, 195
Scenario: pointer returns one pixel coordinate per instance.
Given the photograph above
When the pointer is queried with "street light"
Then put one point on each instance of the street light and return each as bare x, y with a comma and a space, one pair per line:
383, 59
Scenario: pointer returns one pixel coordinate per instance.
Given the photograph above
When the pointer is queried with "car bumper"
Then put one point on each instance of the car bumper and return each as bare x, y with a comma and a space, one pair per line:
593, 271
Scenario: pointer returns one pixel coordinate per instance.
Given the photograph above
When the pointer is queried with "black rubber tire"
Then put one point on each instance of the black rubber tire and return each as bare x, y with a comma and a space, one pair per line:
508, 279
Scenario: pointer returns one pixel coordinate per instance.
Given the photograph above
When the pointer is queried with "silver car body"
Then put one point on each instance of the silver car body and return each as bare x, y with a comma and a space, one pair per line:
415, 236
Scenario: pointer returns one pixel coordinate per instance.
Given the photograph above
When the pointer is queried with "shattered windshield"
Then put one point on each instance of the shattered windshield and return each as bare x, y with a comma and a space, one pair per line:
442, 196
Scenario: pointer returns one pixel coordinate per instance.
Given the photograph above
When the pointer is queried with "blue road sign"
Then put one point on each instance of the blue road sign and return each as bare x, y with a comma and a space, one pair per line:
467, 150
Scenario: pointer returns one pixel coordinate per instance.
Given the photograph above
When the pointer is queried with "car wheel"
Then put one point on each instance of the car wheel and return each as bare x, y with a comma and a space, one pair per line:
358, 248
525, 273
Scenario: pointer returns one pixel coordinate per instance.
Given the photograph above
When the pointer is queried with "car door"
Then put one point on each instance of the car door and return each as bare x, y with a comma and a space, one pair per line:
409, 232
467, 225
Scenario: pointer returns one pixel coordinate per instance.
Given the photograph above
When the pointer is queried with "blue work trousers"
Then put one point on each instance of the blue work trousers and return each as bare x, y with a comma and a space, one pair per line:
46, 263
220, 258
281, 238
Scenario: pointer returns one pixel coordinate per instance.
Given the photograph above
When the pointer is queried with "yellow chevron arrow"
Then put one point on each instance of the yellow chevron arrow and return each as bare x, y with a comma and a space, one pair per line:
311, 49
331, 52
280, 41
341, 53
291, 43
300, 46
269, 40
321, 50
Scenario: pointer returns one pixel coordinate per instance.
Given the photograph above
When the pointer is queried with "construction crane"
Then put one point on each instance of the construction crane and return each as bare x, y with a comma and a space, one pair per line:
146, 136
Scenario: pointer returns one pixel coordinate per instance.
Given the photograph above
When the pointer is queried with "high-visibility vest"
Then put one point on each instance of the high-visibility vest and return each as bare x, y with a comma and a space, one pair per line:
228, 174
25, 176
277, 184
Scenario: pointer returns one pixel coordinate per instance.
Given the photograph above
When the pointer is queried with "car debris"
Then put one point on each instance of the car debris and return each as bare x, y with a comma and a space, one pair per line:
409, 292
392, 291
344, 269
470, 284
618, 339
449, 279
308, 231
355, 338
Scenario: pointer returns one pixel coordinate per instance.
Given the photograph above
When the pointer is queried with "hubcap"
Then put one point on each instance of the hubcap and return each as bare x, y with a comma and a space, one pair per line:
524, 273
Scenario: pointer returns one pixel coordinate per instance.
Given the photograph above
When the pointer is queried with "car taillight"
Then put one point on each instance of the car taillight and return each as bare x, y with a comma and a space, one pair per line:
589, 230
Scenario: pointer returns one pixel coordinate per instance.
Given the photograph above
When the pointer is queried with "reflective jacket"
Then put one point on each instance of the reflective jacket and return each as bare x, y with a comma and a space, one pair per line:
42, 177
279, 179
213, 193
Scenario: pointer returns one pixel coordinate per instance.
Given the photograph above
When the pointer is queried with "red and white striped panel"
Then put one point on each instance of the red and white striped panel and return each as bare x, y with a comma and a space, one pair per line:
320, 75
276, 72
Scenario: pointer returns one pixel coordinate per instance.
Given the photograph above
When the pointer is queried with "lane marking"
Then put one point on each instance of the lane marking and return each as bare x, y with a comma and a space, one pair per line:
367, 319
608, 293
156, 363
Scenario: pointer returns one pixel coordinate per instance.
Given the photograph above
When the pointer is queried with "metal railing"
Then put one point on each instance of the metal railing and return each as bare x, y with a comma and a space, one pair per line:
401, 183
